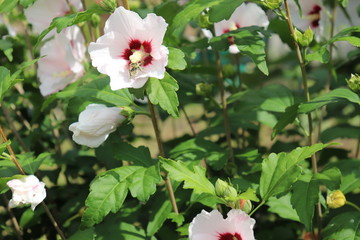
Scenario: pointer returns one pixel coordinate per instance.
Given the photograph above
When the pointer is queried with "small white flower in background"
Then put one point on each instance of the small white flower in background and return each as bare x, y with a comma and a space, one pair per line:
62, 63
182, 2
130, 50
27, 190
42, 12
246, 15
212, 226
95, 124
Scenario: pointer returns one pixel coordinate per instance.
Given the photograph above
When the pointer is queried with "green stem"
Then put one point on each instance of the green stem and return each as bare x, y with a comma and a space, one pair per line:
162, 154
224, 107
307, 99
126, 4
257, 207
353, 205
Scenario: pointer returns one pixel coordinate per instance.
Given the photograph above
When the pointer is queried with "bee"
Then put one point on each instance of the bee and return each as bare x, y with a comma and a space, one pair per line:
135, 68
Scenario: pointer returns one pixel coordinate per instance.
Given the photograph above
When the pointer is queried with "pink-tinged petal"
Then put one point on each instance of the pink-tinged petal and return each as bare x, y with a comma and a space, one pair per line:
221, 27
156, 35
211, 226
125, 22
42, 12
75, 45
106, 53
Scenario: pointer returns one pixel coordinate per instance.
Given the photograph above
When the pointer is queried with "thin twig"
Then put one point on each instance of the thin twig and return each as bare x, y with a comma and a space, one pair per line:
162, 154
224, 107
13, 218
189, 122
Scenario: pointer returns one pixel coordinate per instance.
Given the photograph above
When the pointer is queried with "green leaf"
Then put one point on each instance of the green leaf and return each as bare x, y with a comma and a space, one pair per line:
282, 206
337, 95
249, 194
4, 145
87, 234
176, 59
350, 175
196, 179
107, 193
249, 42
286, 118
198, 149
7, 80
223, 10
340, 132
97, 90
158, 216
321, 54
305, 196
191, 11
3, 180
331, 178
280, 171
345, 35
142, 183
345, 226
7, 47
139, 156
7, 6
163, 92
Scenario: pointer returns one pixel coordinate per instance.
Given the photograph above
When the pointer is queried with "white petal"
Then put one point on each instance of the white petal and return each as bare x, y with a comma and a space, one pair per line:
250, 14
233, 49
157, 67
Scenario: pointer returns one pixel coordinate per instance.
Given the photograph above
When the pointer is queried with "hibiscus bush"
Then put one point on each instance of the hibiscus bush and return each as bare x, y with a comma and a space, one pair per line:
165, 119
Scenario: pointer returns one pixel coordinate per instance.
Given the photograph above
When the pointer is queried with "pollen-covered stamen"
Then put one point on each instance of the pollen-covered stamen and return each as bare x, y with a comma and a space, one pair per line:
314, 16
138, 55
229, 236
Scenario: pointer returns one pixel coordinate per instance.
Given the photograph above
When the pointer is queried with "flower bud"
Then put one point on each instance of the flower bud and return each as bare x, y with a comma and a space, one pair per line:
354, 83
128, 112
304, 39
245, 205
204, 89
95, 20
336, 199
107, 5
224, 190
203, 21
272, 4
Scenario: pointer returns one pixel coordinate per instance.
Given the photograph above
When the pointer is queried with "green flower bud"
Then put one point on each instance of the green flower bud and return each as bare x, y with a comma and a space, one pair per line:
107, 5
304, 39
95, 20
128, 112
245, 205
203, 21
204, 89
272, 4
354, 83
336, 199
224, 190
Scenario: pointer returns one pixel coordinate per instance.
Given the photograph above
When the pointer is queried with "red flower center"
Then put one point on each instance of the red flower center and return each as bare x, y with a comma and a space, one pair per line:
229, 236
314, 16
136, 46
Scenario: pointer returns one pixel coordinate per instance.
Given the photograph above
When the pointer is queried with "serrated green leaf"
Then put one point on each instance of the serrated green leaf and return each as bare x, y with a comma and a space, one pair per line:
163, 92
7, 6
280, 171
321, 55
331, 178
305, 196
249, 194
345, 226
142, 183
223, 10
107, 194
176, 59
196, 179
139, 156
282, 206
158, 215
249, 42
337, 95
